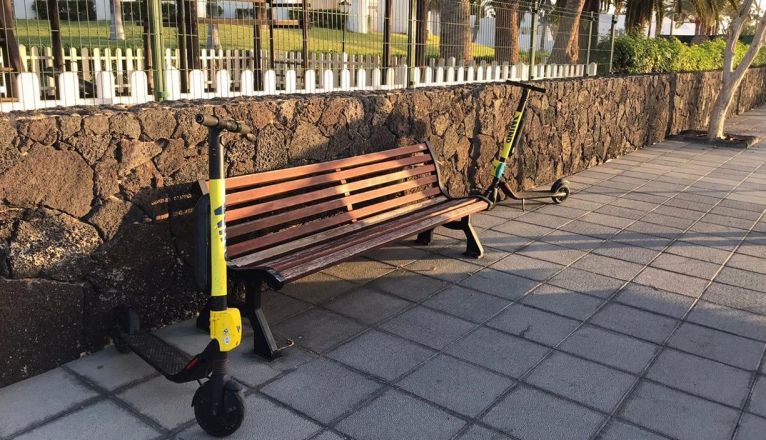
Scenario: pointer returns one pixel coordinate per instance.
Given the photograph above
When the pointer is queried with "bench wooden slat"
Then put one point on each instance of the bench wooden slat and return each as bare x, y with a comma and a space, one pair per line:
319, 208
312, 240
325, 193
251, 195
233, 183
394, 227
255, 244
343, 252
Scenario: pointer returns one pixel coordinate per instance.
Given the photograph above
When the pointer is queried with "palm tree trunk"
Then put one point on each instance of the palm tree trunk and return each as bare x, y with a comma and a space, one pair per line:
507, 31
566, 46
455, 30
117, 30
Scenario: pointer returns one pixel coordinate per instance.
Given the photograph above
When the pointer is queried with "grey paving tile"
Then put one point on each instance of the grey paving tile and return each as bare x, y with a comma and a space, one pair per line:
253, 370
111, 369
713, 344
746, 262
751, 428
635, 322
533, 324
584, 381
533, 415
573, 240
264, 420
551, 252
526, 267
317, 288
672, 282
634, 238
658, 301
498, 351
672, 211
563, 211
187, 337
619, 211
679, 415
622, 431
728, 211
726, 220
504, 241
456, 385
443, 268
359, 270
709, 240
477, 432
428, 327
586, 282
328, 435
33, 400
666, 220
753, 245
757, 403
562, 301
606, 220
684, 265
610, 348
398, 255
619, 269
103, 420
728, 234
408, 285
467, 304
700, 252
590, 229
381, 354
499, 283
395, 415
743, 278
539, 219
731, 320
327, 390
524, 229
163, 401
702, 377
318, 330
627, 252
367, 305
485, 221
278, 307
737, 297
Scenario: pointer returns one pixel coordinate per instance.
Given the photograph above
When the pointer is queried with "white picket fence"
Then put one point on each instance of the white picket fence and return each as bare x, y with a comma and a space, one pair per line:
107, 92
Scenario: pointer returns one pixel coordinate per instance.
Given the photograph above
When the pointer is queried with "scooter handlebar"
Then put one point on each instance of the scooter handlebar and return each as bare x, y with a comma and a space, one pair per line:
525, 86
224, 124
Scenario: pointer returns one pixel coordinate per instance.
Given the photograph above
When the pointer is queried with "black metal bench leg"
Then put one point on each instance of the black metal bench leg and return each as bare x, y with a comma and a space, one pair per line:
425, 238
473, 246
263, 338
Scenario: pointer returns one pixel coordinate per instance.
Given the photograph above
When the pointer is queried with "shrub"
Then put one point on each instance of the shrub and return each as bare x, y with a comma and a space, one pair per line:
134, 12
69, 10
323, 18
637, 54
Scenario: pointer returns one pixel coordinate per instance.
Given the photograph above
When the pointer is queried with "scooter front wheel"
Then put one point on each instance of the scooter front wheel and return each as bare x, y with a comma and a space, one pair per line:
561, 187
219, 418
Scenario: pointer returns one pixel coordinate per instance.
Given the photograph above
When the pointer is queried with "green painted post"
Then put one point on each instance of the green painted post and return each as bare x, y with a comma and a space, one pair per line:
590, 37
532, 38
411, 45
155, 35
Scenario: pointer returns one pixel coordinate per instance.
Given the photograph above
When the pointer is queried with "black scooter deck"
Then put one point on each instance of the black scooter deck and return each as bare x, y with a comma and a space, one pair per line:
164, 357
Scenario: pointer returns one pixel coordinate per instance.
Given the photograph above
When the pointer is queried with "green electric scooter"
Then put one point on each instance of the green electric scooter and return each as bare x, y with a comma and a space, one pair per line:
499, 189
218, 404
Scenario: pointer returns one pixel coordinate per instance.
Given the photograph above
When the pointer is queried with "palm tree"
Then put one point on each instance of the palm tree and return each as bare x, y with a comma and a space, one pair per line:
117, 30
566, 46
213, 38
455, 41
507, 31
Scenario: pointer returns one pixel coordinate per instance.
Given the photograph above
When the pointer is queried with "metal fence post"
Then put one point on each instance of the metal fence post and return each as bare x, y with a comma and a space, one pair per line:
611, 44
155, 35
411, 45
590, 37
532, 38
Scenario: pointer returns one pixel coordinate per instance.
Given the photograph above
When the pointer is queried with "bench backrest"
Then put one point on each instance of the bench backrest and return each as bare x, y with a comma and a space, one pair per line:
275, 212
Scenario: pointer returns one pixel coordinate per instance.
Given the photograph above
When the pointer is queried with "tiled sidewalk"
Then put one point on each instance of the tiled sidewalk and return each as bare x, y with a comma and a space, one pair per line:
636, 310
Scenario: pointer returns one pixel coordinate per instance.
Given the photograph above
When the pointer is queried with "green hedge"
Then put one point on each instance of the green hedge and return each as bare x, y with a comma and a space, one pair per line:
635, 54
322, 18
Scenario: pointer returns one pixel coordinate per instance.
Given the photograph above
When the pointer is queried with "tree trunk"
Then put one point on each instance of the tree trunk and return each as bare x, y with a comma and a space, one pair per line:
566, 46
455, 31
421, 32
116, 30
733, 77
507, 31
213, 38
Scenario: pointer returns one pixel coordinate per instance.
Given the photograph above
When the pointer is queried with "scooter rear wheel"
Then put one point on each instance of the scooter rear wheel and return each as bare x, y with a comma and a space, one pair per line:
219, 420
560, 186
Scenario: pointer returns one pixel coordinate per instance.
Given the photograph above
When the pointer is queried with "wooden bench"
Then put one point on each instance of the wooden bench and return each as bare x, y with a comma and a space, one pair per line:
285, 224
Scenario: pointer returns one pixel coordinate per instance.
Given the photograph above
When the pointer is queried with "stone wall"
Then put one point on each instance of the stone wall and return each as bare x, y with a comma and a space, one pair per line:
95, 202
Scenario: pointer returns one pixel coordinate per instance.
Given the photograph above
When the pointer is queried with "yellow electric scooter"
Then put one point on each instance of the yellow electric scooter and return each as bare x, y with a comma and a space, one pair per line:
218, 404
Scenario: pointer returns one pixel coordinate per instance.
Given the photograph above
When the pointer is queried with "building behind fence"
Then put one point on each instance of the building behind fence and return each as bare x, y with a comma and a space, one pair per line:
74, 52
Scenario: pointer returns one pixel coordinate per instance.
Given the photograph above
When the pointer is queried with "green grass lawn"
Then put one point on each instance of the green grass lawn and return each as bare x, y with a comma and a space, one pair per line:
96, 34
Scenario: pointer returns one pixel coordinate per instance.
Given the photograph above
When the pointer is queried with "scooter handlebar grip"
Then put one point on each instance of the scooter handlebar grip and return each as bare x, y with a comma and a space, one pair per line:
225, 124
525, 86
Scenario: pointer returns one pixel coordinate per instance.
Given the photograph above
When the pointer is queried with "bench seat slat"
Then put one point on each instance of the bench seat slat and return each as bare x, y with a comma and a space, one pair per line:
324, 207
394, 227
246, 246
233, 183
322, 237
393, 233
